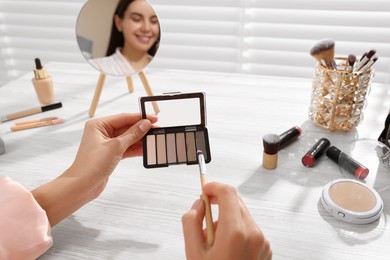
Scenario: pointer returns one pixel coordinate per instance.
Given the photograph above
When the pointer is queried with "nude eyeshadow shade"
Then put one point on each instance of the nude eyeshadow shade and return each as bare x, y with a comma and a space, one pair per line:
179, 132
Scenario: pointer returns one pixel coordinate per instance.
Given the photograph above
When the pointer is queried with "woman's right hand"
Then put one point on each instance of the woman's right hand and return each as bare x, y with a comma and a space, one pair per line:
237, 237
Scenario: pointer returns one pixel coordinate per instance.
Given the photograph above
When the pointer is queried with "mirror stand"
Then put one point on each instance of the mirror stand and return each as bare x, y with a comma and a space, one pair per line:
99, 88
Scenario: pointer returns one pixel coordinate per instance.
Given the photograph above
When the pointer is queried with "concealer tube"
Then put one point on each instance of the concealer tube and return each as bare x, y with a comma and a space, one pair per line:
43, 84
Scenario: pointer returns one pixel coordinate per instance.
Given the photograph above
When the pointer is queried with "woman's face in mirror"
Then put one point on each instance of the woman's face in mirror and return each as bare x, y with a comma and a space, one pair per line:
139, 26
118, 37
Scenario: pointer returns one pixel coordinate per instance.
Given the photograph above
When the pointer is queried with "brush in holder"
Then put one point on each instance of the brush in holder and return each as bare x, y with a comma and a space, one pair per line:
339, 96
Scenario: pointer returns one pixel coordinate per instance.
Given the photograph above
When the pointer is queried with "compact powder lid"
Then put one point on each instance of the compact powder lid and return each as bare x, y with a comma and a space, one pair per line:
352, 201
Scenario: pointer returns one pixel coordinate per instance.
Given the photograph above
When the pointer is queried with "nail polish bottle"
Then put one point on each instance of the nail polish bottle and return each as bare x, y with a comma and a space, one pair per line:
43, 84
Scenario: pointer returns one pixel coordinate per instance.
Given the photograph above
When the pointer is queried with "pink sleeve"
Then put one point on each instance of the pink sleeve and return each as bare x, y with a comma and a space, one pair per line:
24, 227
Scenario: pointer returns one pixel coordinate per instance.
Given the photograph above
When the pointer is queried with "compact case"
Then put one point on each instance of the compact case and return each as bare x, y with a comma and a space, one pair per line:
179, 132
352, 201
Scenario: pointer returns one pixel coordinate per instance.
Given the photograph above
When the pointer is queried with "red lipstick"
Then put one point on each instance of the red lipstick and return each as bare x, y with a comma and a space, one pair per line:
318, 149
347, 163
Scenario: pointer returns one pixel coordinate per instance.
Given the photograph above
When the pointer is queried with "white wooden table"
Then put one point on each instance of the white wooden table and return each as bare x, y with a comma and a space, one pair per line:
138, 216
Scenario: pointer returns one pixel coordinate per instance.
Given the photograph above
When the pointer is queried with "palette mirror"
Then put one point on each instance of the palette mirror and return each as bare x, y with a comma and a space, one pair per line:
118, 38
170, 116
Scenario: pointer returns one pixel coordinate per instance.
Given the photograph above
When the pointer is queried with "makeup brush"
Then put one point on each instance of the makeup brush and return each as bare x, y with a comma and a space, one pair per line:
368, 64
208, 214
351, 62
364, 60
316, 53
324, 50
364, 55
327, 52
271, 144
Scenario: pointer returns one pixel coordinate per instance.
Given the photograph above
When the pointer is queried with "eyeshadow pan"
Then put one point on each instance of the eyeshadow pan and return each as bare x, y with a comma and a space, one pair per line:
171, 148
181, 148
200, 143
151, 149
161, 150
191, 148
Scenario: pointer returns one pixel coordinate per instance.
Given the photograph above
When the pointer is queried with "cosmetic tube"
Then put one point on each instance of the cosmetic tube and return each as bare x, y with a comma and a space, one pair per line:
43, 84
311, 157
347, 163
289, 136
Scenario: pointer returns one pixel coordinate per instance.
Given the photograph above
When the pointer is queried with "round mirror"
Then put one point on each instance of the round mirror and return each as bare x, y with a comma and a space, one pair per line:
118, 37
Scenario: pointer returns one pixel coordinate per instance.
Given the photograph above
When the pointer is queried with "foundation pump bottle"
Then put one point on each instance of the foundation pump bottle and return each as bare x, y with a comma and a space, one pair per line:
43, 84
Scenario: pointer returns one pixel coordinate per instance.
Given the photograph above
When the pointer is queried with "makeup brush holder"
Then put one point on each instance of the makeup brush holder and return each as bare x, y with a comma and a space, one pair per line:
339, 96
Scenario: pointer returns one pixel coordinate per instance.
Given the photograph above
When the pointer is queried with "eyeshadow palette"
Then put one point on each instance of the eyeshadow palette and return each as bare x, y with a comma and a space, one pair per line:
179, 132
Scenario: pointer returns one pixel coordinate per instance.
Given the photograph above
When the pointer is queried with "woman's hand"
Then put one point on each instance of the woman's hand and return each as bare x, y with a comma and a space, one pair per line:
108, 140
104, 143
237, 236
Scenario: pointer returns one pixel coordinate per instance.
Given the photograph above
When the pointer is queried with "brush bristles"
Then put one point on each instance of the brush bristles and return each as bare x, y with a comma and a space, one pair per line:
328, 43
371, 53
314, 51
351, 59
324, 49
271, 143
323, 45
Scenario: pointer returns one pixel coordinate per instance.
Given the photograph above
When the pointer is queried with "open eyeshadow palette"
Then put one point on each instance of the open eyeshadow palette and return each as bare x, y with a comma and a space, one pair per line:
179, 132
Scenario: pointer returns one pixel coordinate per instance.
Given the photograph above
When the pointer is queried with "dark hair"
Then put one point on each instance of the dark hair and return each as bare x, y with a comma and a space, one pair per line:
116, 37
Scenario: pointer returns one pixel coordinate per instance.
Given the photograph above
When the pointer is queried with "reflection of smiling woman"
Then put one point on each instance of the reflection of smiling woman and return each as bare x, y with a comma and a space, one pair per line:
134, 39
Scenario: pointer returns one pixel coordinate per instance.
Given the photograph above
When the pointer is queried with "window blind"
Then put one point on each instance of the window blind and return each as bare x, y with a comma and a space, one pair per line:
31, 29
270, 37
267, 37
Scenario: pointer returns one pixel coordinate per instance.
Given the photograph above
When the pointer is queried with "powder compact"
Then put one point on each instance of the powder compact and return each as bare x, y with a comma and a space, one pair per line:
179, 132
352, 201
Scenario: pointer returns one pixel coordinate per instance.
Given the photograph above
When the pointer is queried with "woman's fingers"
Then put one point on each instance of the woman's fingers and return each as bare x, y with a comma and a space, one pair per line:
193, 230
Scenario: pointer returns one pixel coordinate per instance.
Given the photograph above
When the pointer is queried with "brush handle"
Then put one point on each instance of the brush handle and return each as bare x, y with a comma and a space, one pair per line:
208, 214
270, 161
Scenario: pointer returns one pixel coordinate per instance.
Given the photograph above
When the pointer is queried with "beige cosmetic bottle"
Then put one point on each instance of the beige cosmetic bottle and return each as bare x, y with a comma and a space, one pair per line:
43, 84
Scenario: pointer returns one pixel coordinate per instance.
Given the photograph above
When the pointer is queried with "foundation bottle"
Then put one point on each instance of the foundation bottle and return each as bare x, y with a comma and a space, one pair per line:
43, 84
